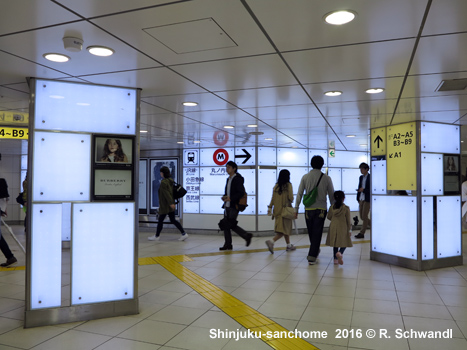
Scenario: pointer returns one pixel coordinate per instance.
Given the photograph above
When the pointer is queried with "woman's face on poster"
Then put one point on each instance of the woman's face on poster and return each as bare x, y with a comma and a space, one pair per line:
113, 146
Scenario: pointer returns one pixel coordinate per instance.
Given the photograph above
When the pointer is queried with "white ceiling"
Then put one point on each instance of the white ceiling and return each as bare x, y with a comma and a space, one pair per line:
265, 62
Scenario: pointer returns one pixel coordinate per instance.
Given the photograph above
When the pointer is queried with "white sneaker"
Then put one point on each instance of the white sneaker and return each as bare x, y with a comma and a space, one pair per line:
183, 237
154, 238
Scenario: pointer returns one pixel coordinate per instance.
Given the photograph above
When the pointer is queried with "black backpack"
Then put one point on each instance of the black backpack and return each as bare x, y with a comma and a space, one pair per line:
178, 191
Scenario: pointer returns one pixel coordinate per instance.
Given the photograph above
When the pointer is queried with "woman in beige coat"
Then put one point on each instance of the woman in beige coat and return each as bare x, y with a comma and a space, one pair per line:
282, 196
340, 228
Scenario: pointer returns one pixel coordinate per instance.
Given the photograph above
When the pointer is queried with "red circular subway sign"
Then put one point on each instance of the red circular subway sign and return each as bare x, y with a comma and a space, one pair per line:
220, 156
221, 138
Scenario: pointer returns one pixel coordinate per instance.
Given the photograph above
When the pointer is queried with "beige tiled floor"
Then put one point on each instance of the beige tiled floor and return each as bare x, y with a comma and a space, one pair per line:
360, 296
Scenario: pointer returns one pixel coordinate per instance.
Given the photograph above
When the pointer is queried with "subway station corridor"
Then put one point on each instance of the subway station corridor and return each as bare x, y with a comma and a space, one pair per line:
190, 295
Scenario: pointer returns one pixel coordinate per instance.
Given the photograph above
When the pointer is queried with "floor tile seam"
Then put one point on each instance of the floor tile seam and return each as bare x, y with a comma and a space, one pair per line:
219, 305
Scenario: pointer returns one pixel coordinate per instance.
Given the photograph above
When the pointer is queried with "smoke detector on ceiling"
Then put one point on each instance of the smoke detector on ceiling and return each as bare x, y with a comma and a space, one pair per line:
73, 44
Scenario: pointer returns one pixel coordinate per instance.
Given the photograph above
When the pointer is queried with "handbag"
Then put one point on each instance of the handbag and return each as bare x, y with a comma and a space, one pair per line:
20, 199
310, 198
288, 213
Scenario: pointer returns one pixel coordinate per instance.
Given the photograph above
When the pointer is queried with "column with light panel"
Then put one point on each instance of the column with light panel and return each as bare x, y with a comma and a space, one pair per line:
416, 201
65, 121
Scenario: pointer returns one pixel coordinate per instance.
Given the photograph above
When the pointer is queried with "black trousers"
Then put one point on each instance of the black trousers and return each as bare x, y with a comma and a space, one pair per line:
231, 215
314, 223
4, 247
160, 223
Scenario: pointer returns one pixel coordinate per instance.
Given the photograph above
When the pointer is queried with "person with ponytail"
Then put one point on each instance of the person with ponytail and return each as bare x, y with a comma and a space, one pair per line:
340, 228
282, 196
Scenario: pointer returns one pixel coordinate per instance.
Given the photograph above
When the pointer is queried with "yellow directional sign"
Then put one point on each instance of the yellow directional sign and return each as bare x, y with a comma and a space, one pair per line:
378, 142
401, 157
13, 133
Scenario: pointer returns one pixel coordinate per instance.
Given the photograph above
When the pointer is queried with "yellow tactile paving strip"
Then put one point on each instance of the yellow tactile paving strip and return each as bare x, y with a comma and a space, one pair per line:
239, 311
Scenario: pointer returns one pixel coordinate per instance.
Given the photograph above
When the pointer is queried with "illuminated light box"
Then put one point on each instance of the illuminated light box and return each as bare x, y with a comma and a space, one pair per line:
348, 159
267, 156
191, 182
378, 177
350, 178
190, 157
440, 138
113, 184
46, 256
318, 152
397, 236
267, 181
292, 157
336, 176
245, 156
66, 221
296, 174
143, 186
220, 155
432, 174
427, 229
69, 106
102, 252
213, 180
61, 167
449, 226
213, 205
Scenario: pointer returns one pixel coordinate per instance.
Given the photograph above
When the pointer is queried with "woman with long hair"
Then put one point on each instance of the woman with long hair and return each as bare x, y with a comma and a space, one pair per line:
282, 196
113, 152
340, 228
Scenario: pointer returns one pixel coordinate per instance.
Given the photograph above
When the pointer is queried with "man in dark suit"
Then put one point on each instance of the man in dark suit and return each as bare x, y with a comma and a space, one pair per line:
234, 190
363, 198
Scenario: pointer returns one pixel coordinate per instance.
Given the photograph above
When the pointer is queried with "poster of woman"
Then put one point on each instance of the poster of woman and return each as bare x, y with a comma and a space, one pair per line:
156, 178
113, 150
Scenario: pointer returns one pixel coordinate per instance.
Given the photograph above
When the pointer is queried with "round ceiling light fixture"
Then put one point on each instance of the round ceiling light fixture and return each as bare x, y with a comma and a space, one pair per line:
100, 51
350, 135
180, 142
190, 104
333, 93
56, 57
252, 126
339, 17
228, 127
268, 139
374, 91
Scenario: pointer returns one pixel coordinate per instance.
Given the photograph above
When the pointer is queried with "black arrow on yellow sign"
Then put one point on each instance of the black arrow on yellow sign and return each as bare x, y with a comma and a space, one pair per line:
378, 139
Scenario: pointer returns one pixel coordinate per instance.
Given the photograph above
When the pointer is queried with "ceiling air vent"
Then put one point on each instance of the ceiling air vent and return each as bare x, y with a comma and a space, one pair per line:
452, 85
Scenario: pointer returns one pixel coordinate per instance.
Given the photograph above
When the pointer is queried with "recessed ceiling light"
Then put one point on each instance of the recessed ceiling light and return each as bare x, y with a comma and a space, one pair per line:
197, 141
252, 125
190, 104
100, 51
56, 57
374, 91
340, 17
143, 131
180, 142
268, 139
363, 144
57, 97
228, 126
83, 104
350, 135
333, 93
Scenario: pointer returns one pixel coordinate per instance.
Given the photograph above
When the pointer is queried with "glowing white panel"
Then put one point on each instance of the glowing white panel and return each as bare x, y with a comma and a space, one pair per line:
347, 159
212, 204
292, 157
102, 252
66, 221
250, 180
46, 256
191, 182
216, 156
350, 181
427, 229
448, 214
267, 156
143, 188
266, 180
378, 177
318, 152
24, 162
396, 237
296, 174
58, 176
440, 138
351, 202
336, 176
432, 174
82, 107
213, 180
245, 156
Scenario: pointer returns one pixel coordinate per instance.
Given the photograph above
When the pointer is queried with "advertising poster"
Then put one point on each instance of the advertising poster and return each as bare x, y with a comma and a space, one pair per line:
113, 183
156, 178
143, 186
113, 150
